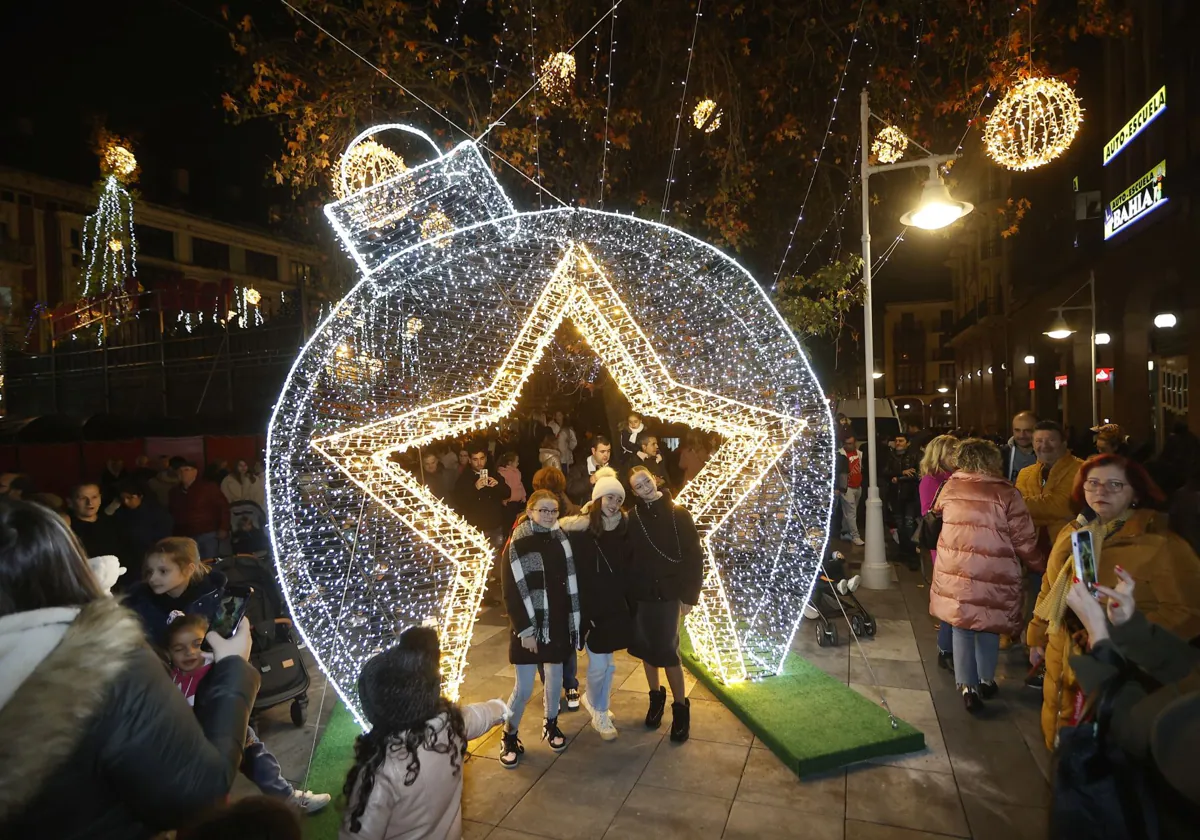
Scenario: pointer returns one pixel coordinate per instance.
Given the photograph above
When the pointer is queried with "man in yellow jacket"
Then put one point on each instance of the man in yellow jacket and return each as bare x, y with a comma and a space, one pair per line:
1046, 488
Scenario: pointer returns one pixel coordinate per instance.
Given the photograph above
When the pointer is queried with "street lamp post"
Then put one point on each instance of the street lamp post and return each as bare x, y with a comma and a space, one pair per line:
935, 210
1060, 330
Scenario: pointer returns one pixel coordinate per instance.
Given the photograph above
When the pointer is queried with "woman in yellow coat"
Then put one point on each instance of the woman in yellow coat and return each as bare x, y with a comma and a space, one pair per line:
1163, 565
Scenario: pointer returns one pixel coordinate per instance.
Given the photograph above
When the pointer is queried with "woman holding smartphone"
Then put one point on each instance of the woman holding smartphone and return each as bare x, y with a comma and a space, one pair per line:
987, 534
1125, 534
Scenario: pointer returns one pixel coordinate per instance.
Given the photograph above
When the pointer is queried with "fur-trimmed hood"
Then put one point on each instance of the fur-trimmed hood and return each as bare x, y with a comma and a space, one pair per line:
56, 668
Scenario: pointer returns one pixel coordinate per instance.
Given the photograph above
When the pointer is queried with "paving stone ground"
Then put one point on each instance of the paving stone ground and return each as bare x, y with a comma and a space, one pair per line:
980, 777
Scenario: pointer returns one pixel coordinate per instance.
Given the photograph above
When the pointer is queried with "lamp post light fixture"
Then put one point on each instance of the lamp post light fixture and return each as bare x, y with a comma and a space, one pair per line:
1060, 330
1030, 360
942, 389
1103, 338
1165, 320
936, 209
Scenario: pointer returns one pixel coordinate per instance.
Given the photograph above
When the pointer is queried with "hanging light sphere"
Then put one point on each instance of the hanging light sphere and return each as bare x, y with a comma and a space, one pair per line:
118, 160
889, 145
435, 224
366, 164
1034, 123
706, 116
557, 76
115, 244
253, 296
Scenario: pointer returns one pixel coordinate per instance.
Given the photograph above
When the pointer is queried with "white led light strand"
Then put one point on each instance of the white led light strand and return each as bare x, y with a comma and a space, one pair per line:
438, 340
109, 245
608, 75
666, 202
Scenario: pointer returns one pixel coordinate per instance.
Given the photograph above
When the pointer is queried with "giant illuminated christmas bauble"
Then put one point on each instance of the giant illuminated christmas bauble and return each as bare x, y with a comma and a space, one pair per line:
365, 550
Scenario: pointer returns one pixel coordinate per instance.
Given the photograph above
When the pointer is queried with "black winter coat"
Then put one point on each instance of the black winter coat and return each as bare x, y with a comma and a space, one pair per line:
602, 565
664, 528
98, 743
202, 597
554, 579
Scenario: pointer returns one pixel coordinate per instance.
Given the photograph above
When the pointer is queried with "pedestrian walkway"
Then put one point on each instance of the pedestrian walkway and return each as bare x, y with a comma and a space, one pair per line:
982, 777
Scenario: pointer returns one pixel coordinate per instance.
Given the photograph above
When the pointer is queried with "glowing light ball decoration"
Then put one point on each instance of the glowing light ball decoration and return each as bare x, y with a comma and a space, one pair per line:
889, 144
364, 164
706, 116
557, 76
438, 339
1033, 124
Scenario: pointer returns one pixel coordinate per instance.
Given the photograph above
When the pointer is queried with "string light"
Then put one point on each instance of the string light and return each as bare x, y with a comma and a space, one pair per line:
558, 75
364, 164
364, 550
706, 116
666, 202
608, 75
889, 144
107, 262
1033, 123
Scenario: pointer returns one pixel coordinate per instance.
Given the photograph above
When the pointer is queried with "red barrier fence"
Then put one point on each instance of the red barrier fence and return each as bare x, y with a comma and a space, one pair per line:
56, 467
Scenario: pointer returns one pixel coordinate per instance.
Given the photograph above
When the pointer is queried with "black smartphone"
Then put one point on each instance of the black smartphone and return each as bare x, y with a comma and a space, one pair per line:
231, 609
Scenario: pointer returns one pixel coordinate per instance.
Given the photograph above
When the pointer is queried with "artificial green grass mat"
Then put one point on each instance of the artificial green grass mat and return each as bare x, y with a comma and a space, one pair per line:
812, 722
327, 772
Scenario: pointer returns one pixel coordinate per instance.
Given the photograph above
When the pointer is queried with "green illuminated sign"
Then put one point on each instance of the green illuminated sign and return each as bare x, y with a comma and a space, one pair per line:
1144, 195
1144, 116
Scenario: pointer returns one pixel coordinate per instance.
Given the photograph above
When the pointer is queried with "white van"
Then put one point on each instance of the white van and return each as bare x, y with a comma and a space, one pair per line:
887, 418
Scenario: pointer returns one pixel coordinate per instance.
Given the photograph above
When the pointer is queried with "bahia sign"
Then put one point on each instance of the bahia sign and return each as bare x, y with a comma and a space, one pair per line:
1143, 196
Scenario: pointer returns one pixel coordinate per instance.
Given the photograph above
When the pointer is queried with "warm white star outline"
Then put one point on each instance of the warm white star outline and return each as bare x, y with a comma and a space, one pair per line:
578, 289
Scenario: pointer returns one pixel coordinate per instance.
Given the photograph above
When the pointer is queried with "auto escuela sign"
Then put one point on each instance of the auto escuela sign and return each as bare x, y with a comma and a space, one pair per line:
1144, 116
1144, 195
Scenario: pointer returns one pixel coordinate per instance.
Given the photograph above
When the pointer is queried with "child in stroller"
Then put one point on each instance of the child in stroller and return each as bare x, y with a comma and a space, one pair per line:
832, 597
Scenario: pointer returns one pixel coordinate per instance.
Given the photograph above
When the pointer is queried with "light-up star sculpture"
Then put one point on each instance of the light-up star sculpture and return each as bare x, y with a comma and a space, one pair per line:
365, 549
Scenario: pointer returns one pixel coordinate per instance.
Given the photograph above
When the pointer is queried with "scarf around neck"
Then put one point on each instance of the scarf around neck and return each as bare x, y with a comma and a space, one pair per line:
529, 574
1053, 608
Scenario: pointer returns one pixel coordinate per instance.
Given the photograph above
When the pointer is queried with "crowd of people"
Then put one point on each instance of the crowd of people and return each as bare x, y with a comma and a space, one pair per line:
1004, 576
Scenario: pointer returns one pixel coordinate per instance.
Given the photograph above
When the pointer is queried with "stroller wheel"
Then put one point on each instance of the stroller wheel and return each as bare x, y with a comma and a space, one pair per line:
822, 637
856, 625
869, 628
299, 712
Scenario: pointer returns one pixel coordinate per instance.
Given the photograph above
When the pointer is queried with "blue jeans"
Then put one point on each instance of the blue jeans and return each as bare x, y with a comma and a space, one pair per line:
945, 641
975, 656
570, 676
262, 768
601, 668
208, 544
523, 690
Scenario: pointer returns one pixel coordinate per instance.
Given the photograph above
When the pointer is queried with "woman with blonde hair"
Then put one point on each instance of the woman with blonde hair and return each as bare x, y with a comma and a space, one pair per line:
986, 534
936, 467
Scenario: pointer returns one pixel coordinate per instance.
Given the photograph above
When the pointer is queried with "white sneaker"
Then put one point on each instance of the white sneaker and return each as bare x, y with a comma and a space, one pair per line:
841, 587
859, 541
308, 801
810, 612
852, 583
601, 721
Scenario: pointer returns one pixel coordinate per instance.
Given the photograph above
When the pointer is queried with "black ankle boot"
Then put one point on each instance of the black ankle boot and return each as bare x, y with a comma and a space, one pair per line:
658, 703
946, 660
681, 720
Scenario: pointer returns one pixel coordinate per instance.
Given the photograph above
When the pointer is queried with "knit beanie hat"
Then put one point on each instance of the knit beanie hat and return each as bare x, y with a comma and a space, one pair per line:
607, 482
399, 689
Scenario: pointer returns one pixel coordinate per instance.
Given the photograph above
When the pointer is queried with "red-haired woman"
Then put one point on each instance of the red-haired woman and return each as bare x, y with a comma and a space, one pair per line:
1128, 535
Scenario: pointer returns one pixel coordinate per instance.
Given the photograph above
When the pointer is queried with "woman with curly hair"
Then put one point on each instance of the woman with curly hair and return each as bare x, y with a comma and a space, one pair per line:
407, 775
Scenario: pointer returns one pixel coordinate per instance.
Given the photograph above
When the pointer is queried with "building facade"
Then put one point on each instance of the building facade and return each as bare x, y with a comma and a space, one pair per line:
919, 370
211, 304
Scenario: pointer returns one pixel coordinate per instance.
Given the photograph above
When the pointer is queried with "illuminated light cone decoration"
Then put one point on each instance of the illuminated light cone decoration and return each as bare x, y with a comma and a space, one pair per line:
364, 550
1034, 123
889, 144
108, 243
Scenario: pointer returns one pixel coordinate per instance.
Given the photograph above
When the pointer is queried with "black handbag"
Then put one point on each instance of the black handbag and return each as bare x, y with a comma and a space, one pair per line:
1099, 794
929, 528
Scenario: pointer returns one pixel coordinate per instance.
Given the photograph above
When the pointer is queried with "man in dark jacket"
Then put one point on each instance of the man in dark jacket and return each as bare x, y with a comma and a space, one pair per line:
142, 521
97, 531
649, 457
903, 478
479, 496
583, 473
436, 477
200, 511
1018, 452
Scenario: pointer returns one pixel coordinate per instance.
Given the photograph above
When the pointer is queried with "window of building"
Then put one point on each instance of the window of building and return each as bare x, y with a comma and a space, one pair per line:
301, 273
946, 372
262, 265
947, 320
906, 320
910, 378
76, 238
209, 254
156, 242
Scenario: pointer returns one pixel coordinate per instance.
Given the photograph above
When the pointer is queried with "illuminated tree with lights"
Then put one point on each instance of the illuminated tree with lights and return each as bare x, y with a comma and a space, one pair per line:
109, 245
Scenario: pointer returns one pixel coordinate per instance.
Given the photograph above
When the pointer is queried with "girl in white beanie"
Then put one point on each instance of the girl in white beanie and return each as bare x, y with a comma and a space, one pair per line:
601, 548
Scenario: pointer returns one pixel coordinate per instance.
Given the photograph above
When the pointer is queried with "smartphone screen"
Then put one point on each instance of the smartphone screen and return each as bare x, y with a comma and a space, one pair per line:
483, 474
1085, 557
231, 609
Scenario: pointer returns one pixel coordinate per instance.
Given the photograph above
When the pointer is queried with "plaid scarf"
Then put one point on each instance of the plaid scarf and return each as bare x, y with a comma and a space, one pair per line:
530, 576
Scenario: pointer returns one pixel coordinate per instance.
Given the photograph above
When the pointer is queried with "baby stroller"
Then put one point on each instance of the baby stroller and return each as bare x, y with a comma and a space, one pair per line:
832, 596
247, 529
274, 645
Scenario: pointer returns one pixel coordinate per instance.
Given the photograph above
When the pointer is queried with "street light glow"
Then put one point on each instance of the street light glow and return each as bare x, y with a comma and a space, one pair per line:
936, 208
1103, 338
1165, 320
942, 389
1029, 360
1060, 329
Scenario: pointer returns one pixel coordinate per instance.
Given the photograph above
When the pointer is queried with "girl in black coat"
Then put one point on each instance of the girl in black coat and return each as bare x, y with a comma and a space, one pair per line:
117, 753
542, 596
601, 546
668, 570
